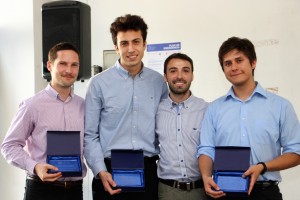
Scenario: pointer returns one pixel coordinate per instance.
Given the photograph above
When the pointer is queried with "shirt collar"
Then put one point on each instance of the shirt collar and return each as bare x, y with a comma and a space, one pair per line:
124, 73
50, 90
185, 104
258, 90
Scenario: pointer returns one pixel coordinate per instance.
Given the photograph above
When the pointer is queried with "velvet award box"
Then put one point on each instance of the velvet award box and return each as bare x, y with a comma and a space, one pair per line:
229, 165
127, 168
63, 151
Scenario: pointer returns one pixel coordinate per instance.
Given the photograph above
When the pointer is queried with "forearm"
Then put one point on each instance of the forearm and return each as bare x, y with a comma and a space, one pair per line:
282, 162
16, 156
205, 166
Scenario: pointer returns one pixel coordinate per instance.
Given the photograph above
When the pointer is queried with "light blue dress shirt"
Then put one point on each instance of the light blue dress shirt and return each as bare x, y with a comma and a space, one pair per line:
120, 113
178, 129
265, 122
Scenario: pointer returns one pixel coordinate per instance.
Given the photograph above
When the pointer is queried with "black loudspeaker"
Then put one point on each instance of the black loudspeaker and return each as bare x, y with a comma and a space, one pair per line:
67, 21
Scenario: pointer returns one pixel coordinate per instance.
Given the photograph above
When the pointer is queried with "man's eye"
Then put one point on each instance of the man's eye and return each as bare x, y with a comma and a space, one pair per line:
226, 64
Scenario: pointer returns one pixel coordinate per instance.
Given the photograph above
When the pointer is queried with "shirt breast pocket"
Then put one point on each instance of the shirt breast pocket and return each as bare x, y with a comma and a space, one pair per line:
114, 111
265, 131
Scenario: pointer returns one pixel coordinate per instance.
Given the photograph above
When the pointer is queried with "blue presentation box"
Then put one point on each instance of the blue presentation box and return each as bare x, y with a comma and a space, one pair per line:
127, 168
63, 151
229, 165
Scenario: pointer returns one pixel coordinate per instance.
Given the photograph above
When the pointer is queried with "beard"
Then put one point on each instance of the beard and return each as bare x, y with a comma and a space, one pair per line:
180, 90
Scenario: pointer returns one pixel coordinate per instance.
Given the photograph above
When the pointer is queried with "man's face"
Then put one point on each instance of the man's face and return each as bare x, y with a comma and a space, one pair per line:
179, 76
131, 47
237, 68
64, 70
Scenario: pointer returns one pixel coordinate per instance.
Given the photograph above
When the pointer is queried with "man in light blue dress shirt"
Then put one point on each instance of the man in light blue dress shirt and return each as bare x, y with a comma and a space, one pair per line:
121, 104
178, 121
249, 116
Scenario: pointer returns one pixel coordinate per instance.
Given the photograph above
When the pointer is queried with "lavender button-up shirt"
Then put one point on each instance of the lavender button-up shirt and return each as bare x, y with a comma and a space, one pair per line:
26, 141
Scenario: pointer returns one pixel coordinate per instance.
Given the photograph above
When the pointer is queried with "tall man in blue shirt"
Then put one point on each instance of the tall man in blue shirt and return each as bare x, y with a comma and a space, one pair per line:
249, 116
121, 104
178, 122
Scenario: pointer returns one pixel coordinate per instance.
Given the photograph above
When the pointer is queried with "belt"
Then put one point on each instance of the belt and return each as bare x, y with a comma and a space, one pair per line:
182, 185
63, 184
265, 184
147, 159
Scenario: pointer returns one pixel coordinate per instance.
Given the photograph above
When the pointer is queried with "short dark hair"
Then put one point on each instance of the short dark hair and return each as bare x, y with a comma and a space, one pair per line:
128, 22
52, 55
241, 44
179, 56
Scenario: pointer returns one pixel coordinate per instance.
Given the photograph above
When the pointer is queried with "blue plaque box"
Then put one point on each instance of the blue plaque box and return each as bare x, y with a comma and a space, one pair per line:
229, 165
63, 151
127, 168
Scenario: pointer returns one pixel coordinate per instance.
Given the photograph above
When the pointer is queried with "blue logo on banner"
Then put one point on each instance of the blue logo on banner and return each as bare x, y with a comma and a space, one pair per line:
164, 46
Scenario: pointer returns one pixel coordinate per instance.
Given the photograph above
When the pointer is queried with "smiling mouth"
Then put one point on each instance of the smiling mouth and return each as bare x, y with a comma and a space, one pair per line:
234, 75
179, 83
68, 77
132, 56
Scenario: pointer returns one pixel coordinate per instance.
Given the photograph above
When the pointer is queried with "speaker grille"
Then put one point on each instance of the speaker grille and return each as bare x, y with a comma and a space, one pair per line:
67, 21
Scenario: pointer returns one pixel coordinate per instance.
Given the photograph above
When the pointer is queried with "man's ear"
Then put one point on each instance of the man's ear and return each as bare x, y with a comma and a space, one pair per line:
165, 78
145, 45
253, 65
49, 66
116, 49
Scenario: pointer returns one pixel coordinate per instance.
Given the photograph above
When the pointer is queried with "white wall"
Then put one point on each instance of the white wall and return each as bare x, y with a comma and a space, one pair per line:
200, 25
16, 80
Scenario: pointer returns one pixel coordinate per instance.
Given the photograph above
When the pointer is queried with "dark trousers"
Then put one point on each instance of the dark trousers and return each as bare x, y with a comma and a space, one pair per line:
260, 193
35, 190
151, 184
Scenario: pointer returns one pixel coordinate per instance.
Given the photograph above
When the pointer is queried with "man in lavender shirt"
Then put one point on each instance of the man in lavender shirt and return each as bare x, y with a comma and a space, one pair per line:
56, 108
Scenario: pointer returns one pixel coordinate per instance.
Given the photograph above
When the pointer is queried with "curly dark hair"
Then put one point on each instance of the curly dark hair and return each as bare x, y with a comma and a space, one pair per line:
128, 22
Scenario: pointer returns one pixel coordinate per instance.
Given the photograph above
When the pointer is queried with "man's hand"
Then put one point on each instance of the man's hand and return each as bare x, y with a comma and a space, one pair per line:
108, 183
41, 169
212, 189
254, 172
